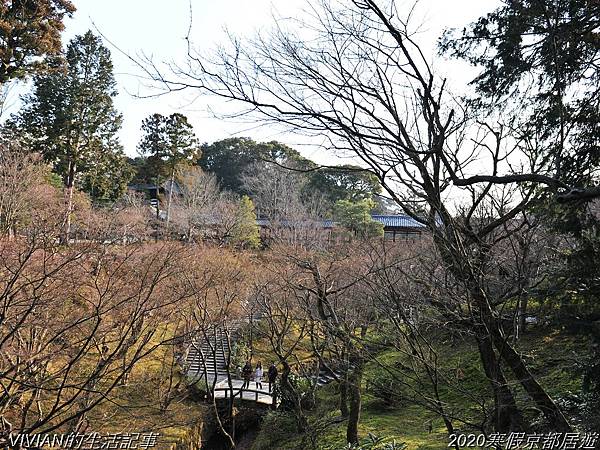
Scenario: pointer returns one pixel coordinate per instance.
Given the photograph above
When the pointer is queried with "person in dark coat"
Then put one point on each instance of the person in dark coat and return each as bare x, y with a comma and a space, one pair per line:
247, 374
272, 375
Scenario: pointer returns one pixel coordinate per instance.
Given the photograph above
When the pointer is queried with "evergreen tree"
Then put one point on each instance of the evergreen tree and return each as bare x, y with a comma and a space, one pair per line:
356, 217
230, 158
246, 232
539, 65
538, 62
152, 149
167, 142
345, 182
107, 178
29, 30
71, 120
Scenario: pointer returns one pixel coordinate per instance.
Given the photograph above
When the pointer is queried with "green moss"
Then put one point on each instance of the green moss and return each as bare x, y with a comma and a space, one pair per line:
550, 354
135, 407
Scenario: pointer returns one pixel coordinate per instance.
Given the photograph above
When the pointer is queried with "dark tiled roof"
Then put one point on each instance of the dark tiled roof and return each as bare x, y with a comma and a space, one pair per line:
167, 186
397, 221
393, 221
326, 223
142, 186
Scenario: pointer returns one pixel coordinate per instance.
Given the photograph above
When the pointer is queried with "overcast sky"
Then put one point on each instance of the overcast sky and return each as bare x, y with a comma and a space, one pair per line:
158, 28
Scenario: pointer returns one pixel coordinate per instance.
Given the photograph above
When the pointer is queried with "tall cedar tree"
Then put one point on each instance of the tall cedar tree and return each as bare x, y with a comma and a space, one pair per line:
167, 142
70, 119
29, 29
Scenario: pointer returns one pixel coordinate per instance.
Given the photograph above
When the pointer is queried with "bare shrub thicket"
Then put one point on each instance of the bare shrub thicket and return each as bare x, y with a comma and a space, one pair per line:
128, 220
292, 215
74, 322
26, 197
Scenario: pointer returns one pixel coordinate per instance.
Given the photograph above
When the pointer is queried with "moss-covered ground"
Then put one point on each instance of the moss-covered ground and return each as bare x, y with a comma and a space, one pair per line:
137, 406
551, 355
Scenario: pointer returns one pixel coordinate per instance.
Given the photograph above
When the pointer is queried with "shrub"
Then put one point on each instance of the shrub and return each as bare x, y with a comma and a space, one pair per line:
386, 388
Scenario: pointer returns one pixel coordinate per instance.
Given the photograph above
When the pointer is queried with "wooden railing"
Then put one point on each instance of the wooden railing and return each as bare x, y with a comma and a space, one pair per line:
240, 392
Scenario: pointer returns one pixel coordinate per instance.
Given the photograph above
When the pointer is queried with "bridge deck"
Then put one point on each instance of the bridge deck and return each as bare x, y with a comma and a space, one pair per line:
251, 393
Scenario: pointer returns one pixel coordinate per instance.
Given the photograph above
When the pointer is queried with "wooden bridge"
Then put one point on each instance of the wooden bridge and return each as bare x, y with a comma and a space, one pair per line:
223, 390
207, 360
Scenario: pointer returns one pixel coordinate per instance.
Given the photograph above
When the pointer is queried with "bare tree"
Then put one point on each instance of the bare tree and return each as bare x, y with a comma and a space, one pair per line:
285, 327
25, 197
291, 215
216, 283
276, 191
356, 77
197, 204
422, 308
339, 311
73, 324
126, 221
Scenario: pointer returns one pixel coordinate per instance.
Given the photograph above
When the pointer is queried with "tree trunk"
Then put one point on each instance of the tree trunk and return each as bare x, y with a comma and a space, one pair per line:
354, 382
522, 324
507, 416
273, 397
541, 398
70, 186
170, 198
286, 386
552, 413
228, 437
344, 398
459, 264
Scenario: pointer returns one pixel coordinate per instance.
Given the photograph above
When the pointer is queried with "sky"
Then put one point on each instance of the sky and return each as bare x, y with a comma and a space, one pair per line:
157, 28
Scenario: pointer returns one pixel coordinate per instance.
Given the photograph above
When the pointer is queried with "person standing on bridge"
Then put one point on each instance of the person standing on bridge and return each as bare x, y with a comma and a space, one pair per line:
258, 375
247, 374
272, 375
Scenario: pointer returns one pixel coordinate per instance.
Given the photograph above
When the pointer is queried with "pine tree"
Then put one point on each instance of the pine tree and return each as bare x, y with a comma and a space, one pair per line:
356, 217
152, 148
70, 119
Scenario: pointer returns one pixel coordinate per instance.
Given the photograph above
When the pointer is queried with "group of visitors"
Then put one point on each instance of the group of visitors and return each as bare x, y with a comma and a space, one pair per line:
248, 372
